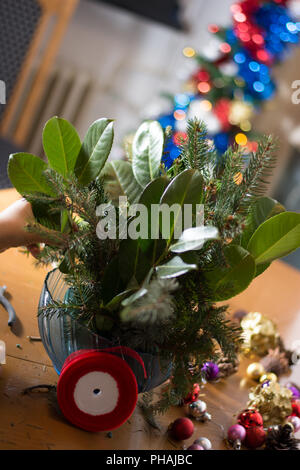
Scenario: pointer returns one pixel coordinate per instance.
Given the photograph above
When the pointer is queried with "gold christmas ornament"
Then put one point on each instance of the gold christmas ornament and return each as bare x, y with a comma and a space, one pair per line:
255, 371
272, 400
269, 376
259, 334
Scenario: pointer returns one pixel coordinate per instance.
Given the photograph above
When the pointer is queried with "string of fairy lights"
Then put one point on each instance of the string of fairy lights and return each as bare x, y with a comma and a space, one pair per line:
226, 91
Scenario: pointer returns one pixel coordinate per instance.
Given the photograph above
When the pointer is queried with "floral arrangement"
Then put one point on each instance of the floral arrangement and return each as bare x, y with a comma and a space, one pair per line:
157, 293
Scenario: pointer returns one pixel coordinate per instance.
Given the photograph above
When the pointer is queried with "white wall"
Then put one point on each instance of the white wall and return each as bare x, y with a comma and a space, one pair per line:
131, 60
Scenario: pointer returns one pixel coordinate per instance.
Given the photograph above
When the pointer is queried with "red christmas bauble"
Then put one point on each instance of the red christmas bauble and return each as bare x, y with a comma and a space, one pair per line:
296, 408
250, 418
255, 437
182, 429
193, 396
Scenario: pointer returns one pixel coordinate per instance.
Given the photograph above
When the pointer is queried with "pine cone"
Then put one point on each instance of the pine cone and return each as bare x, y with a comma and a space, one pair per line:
281, 438
276, 362
227, 367
288, 352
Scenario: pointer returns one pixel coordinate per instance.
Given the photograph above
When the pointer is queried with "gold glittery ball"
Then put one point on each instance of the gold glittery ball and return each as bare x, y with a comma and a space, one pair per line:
255, 371
272, 400
269, 376
259, 334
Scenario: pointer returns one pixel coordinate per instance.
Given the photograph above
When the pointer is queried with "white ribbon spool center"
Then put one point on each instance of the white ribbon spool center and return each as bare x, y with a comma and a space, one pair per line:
96, 393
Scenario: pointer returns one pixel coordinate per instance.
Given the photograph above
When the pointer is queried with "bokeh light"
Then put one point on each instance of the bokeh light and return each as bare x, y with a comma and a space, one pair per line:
206, 105
225, 47
241, 139
203, 87
179, 114
189, 52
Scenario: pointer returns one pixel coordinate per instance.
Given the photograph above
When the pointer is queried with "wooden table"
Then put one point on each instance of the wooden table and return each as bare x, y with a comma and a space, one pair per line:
34, 421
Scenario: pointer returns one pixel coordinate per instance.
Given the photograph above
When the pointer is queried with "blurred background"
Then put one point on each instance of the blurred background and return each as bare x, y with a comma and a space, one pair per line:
124, 59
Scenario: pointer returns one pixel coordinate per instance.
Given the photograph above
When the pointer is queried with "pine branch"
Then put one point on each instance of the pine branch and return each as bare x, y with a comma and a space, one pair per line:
227, 190
146, 408
256, 175
196, 151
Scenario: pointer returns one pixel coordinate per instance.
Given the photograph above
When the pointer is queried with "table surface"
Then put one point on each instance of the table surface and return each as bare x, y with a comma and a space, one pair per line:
33, 421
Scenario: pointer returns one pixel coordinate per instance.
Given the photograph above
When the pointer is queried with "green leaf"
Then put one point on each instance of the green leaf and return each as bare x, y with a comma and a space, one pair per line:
275, 238
61, 144
263, 208
118, 180
115, 301
174, 268
112, 283
94, 151
26, 172
104, 322
186, 188
65, 223
153, 249
194, 238
229, 281
147, 150
137, 295
190, 257
65, 266
132, 261
150, 196
153, 192
261, 268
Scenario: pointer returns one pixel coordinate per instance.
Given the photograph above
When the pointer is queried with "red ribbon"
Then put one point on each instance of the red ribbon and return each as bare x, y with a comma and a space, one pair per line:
117, 349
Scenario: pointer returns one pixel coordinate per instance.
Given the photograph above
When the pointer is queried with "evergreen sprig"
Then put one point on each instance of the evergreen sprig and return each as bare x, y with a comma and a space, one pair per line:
196, 150
256, 176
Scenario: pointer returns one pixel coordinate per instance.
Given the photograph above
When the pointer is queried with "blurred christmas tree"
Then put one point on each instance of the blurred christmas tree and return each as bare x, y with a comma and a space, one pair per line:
227, 92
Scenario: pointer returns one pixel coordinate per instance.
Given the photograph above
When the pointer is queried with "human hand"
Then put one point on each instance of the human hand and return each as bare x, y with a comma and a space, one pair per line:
13, 221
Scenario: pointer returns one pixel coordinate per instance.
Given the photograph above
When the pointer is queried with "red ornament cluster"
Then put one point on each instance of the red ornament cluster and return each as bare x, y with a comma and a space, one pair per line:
252, 422
193, 396
255, 437
250, 419
249, 429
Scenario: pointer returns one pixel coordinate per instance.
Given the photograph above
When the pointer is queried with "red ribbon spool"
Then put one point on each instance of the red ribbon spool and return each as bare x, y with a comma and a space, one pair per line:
97, 391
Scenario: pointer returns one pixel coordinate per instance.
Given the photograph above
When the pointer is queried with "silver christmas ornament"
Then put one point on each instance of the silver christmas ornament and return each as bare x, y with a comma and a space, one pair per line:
197, 410
204, 442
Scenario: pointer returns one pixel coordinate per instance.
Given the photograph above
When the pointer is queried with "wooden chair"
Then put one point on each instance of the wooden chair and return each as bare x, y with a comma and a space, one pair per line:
32, 31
